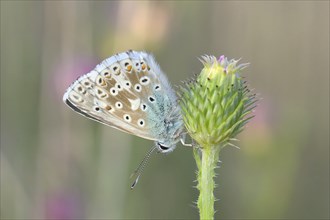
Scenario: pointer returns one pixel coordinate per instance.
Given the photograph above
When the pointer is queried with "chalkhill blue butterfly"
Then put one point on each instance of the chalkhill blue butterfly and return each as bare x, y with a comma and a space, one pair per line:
128, 91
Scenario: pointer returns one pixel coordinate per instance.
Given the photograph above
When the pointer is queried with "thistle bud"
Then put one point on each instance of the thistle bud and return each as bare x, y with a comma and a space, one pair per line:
217, 104
215, 107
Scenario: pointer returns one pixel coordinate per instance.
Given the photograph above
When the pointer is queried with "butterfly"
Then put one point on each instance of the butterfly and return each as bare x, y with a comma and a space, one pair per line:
128, 91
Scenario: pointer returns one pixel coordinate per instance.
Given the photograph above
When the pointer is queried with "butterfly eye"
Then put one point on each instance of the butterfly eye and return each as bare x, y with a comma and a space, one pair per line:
162, 147
137, 87
144, 80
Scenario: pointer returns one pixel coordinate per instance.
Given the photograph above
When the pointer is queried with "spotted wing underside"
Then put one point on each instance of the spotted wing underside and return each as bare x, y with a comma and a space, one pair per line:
119, 92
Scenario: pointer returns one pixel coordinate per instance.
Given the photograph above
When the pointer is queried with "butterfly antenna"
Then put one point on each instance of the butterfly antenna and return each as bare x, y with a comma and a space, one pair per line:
141, 166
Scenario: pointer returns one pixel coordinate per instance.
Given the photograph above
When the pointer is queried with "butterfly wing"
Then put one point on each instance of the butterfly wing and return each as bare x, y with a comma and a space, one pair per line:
120, 92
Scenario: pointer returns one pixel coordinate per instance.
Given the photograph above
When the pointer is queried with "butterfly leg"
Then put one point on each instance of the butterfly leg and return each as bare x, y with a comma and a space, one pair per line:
185, 144
183, 138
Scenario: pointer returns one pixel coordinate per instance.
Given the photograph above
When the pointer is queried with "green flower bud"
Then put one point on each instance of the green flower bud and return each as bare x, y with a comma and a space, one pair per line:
216, 105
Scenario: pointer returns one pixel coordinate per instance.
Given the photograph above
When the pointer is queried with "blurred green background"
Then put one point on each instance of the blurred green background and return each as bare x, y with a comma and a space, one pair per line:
56, 164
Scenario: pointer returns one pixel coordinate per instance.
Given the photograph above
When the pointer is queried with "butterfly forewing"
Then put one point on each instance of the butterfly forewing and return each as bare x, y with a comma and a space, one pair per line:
125, 92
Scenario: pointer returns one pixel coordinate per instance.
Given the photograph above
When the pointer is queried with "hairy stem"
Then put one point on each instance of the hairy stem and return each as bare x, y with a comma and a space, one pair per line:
206, 162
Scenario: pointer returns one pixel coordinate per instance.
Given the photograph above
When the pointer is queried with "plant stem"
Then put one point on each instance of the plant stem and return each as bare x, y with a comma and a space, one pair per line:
206, 164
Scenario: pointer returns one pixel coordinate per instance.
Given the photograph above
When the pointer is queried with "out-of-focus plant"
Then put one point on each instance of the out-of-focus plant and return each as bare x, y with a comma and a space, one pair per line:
216, 106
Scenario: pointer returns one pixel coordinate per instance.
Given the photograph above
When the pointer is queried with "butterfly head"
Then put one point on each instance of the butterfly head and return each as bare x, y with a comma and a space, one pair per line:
172, 136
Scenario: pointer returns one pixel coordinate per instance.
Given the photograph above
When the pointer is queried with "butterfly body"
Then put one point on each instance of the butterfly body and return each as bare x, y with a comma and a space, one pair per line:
128, 91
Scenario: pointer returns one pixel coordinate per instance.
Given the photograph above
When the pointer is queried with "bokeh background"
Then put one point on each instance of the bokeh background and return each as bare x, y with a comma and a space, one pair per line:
56, 164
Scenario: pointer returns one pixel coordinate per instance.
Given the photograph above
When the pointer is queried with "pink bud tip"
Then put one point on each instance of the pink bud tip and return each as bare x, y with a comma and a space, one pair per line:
221, 58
